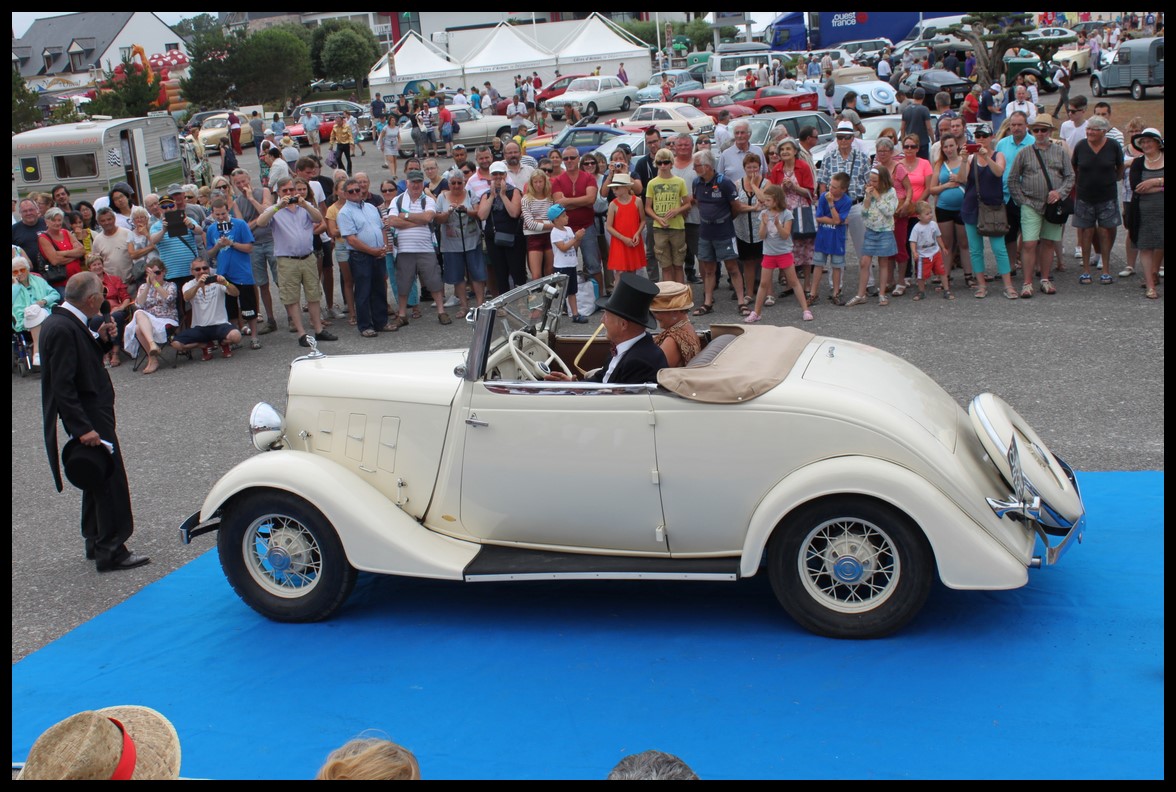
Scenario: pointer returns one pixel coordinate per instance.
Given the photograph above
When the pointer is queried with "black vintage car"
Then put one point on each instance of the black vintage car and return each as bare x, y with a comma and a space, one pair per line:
934, 80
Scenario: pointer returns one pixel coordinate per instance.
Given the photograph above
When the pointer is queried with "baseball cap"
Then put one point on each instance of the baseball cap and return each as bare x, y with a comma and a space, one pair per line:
414, 175
498, 167
995, 87
983, 130
175, 189
457, 146
555, 211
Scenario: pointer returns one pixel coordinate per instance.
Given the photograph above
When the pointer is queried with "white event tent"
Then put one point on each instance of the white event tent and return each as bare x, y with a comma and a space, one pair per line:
600, 42
506, 51
412, 58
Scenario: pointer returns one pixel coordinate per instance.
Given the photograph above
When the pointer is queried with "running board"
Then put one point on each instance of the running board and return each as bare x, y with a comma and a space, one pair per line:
494, 563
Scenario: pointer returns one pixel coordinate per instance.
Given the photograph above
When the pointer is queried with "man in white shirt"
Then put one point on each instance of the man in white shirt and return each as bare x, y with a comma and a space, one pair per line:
1022, 105
723, 137
460, 98
731, 160
516, 111
884, 69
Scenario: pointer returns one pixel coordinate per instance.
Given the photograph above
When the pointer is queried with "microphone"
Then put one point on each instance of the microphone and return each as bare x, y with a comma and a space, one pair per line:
105, 310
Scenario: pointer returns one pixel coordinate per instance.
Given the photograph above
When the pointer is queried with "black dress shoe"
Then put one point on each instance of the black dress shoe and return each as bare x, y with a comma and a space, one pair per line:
129, 561
694, 279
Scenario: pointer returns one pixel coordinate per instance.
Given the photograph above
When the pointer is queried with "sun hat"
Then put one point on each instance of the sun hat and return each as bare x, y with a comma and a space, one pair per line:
498, 167
1042, 120
844, 127
115, 743
672, 296
1150, 132
554, 211
287, 140
621, 179
630, 299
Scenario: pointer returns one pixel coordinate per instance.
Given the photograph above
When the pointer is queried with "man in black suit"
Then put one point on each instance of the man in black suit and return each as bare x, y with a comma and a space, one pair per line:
635, 357
76, 388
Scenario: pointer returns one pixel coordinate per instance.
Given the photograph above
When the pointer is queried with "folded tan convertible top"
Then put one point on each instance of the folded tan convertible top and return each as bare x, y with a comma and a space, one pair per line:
738, 364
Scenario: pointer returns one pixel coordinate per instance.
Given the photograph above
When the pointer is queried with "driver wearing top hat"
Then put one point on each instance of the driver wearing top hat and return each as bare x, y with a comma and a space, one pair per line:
635, 357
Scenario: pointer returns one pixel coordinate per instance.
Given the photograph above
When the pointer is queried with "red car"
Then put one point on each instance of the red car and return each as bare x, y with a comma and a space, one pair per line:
773, 98
711, 101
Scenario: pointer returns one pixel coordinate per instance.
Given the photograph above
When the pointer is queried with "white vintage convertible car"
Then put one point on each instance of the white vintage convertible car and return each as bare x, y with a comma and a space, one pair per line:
843, 472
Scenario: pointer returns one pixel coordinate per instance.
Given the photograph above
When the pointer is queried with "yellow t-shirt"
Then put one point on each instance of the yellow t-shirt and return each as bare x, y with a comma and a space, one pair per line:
666, 195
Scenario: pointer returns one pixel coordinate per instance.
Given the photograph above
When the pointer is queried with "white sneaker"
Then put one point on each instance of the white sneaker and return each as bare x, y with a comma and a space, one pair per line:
1077, 252
37, 359
1096, 260
452, 301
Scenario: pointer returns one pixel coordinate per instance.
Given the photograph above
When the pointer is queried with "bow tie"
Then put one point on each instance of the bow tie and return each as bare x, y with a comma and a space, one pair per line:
612, 351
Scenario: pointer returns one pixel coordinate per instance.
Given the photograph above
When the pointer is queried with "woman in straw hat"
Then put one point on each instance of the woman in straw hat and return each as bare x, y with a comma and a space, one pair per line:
676, 335
124, 743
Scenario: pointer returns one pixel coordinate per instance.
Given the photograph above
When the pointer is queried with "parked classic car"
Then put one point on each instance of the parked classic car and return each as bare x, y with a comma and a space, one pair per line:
1137, 64
712, 101
328, 110
764, 125
585, 137
474, 128
874, 95
683, 81
773, 99
397, 464
669, 117
934, 80
594, 95
216, 127
553, 90
1053, 33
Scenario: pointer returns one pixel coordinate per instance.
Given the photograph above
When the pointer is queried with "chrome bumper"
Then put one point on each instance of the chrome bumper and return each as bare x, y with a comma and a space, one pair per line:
192, 527
1045, 520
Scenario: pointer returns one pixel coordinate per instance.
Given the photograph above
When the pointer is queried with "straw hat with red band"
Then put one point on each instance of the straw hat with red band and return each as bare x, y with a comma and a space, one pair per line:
126, 743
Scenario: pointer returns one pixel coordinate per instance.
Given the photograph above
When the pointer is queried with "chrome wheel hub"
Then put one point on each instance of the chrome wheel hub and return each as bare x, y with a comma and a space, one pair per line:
849, 565
282, 556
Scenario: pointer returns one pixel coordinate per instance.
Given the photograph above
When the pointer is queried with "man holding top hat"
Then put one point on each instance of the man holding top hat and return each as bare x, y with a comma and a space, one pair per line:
635, 357
76, 388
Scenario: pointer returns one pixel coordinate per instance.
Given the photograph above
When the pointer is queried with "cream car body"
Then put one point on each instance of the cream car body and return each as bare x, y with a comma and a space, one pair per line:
410, 464
594, 95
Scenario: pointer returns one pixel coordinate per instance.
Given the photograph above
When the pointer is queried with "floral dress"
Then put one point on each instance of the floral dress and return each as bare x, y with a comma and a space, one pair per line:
802, 247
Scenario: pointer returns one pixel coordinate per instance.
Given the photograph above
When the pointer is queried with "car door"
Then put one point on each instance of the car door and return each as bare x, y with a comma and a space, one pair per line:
469, 127
641, 115
551, 466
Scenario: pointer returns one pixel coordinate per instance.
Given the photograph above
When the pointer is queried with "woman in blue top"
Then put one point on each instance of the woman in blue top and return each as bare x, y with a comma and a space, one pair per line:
278, 126
947, 185
982, 183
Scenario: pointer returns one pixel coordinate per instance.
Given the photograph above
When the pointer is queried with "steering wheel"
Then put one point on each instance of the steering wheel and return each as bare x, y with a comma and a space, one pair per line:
531, 368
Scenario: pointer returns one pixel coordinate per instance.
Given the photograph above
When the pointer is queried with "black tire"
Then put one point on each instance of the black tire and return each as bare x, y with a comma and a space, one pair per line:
315, 577
503, 134
625, 105
1096, 87
591, 108
850, 567
767, 109
1138, 92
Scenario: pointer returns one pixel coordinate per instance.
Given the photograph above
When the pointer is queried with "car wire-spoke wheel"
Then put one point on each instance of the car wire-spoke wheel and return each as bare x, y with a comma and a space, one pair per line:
850, 566
282, 557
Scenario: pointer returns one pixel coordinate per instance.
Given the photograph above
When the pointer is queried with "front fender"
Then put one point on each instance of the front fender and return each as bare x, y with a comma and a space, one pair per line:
966, 555
376, 535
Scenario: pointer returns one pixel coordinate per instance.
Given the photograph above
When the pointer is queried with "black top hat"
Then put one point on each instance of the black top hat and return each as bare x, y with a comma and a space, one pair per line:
631, 299
86, 467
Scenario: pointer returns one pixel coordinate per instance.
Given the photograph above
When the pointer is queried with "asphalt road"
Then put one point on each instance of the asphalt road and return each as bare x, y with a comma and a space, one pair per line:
1085, 367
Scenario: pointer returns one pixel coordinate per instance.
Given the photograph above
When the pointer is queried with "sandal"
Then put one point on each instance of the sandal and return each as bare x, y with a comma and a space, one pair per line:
969, 280
704, 309
769, 300
919, 296
947, 295
883, 300
1027, 291
1011, 294
811, 297
980, 294
255, 344
1085, 279
1151, 294
1047, 286
745, 307
898, 290
416, 312
857, 300
369, 333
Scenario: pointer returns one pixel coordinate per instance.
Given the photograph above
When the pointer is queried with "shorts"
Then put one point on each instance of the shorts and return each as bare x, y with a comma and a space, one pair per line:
312, 136
447, 133
538, 242
948, 216
1034, 227
879, 243
428, 136
829, 260
263, 254
573, 282
204, 334
778, 261
295, 274
669, 246
716, 250
749, 251
410, 265
1104, 214
930, 266
244, 304
590, 250
459, 266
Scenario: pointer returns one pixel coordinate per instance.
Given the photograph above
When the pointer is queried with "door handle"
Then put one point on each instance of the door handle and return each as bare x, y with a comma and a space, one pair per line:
473, 420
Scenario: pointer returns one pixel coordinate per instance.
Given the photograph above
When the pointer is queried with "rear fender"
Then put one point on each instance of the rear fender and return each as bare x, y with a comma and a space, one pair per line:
966, 555
376, 535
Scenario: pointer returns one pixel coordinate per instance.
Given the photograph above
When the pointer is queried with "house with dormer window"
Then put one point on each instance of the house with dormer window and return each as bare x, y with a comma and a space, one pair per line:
71, 51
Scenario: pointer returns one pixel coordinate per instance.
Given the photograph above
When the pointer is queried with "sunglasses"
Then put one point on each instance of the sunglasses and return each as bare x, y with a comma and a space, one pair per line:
156, 271
200, 269
586, 163
912, 148
983, 135
387, 189
664, 162
546, 170
573, 157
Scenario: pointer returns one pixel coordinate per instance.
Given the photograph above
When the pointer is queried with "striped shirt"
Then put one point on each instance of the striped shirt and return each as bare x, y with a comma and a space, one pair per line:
1027, 182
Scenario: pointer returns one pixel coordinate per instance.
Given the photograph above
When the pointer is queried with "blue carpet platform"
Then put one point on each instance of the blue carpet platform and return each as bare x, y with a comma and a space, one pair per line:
1061, 679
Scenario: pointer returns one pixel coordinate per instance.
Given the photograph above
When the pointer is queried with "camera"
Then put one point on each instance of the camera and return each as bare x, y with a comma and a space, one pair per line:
460, 210
292, 200
224, 228
618, 166
210, 279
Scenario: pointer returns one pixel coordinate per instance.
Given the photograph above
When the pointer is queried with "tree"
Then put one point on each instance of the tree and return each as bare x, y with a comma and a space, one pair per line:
64, 113
270, 66
192, 27
129, 97
324, 31
991, 35
211, 74
25, 112
345, 54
